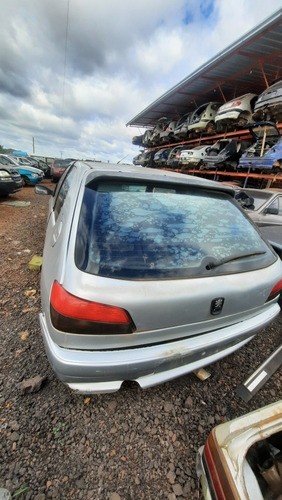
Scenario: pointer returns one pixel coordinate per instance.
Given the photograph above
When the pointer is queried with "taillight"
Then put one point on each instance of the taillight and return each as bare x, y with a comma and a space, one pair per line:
276, 290
75, 315
220, 480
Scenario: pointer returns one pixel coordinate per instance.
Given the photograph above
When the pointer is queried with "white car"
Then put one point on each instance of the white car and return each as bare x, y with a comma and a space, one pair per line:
235, 113
193, 157
202, 119
242, 458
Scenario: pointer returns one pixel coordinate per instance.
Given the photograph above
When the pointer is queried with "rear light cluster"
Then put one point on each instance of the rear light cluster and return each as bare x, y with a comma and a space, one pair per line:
221, 484
75, 315
276, 290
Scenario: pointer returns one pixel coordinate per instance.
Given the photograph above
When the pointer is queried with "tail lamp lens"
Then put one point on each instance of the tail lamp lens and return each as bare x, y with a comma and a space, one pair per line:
75, 315
276, 290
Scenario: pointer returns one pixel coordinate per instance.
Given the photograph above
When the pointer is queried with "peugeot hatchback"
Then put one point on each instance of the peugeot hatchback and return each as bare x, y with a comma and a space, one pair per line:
148, 275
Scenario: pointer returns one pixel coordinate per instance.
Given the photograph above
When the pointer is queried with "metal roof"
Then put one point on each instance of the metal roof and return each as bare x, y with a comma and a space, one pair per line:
249, 65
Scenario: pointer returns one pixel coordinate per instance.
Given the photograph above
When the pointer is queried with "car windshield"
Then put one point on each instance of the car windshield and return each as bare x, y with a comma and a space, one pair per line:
147, 231
4, 160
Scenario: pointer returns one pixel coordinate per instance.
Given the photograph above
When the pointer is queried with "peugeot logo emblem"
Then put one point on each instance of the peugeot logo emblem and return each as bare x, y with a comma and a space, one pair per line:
217, 305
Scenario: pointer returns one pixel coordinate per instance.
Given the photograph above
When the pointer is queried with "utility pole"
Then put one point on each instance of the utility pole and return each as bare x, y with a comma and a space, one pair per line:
33, 149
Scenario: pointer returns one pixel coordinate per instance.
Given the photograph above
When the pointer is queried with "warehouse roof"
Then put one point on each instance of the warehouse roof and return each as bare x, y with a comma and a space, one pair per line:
248, 65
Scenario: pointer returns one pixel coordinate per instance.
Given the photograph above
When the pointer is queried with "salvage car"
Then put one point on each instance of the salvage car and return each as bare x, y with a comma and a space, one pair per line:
235, 113
145, 159
225, 152
161, 156
181, 127
266, 152
202, 119
30, 175
193, 157
264, 206
148, 275
242, 458
160, 127
269, 103
167, 135
10, 181
58, 167
174, 157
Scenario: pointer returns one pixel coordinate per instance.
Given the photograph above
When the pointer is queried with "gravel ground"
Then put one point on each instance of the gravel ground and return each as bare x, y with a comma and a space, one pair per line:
132, 444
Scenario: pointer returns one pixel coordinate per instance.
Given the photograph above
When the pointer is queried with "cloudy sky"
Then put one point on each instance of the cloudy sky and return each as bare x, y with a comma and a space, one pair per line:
74, 72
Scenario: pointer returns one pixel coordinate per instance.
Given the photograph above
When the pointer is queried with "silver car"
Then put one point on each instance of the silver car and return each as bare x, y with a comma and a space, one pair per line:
148, 275
264, 206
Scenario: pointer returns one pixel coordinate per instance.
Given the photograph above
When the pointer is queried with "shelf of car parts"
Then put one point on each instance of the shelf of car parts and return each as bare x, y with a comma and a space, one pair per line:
273, 177
236, 134
206, 139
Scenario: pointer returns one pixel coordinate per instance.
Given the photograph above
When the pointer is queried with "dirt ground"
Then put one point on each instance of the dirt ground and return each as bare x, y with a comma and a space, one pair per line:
132, 444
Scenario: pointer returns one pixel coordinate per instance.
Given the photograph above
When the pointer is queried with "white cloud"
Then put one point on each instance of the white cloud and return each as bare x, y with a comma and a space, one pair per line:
120, 56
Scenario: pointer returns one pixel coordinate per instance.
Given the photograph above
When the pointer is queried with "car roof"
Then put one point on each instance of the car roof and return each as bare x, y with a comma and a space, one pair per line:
147, 174
270, 191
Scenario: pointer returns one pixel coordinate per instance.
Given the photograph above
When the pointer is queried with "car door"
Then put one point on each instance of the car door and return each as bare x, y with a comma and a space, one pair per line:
271, 215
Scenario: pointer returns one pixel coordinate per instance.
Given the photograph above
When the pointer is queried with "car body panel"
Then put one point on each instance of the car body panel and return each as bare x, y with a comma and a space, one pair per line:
193, 157
266, 152
175, 330
269, 103
203, 118
167, 135
10, 181
174, 157
161, 156
267, 206
228, 115
181, 127
29, 174
58, 167
223, 152
95, 371
223, 464
274, 235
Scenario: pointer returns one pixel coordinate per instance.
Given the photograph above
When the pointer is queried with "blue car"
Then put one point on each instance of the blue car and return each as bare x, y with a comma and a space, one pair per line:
266, 151
30, 175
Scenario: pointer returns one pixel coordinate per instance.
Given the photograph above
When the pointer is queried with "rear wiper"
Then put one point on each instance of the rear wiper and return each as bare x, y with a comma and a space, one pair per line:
212, 265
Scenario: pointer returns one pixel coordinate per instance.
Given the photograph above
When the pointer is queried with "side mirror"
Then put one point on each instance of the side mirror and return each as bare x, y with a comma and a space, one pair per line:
271, 211
43, 190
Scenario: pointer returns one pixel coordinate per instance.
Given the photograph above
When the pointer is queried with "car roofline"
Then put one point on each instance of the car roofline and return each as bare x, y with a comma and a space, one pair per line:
123, 171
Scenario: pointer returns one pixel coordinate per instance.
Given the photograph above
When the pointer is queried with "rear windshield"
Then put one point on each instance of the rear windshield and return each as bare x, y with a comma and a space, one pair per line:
145, 231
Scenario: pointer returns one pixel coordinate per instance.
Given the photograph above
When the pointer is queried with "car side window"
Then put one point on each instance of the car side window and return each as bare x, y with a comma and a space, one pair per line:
63, 191
275, 208
280, 205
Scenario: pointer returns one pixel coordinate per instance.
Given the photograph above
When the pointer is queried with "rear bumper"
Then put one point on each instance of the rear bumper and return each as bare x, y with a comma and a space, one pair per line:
105, 370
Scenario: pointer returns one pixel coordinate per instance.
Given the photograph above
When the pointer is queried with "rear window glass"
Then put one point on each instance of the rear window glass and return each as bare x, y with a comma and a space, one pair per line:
146, 231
